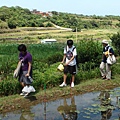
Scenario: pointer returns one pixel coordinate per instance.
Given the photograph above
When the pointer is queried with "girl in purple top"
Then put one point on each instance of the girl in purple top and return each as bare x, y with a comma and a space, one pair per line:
26, 70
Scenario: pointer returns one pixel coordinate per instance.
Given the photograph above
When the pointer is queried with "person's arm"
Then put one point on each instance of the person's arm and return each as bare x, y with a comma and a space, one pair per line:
29, 69
19, 62
64, 57
111, 52
70, 60
29, 65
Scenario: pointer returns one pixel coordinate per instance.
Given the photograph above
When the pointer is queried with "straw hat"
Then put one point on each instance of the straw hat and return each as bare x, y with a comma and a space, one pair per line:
105, 41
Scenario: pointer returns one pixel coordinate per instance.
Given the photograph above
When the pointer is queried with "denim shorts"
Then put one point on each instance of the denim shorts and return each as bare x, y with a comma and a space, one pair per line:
23, 78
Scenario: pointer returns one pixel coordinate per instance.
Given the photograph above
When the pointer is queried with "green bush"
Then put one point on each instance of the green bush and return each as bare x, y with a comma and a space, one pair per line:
116, 41
89, 51
9, 87
46, 59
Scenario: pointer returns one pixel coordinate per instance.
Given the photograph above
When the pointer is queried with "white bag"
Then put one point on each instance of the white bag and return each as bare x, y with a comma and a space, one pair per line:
28, 89
111, 59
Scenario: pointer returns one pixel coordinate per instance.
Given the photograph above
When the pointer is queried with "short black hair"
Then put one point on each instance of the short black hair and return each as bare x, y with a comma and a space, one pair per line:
69, 42
22, 47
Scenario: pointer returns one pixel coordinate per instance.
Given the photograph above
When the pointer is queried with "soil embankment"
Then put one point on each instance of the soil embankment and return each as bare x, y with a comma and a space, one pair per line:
16, 102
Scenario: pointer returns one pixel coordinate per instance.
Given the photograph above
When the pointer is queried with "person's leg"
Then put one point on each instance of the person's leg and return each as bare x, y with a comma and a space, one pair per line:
65, 102
108, 72
20, 79
73, 78
72, 100
22, 84
64, 76
102, 70
64, 81
73, 72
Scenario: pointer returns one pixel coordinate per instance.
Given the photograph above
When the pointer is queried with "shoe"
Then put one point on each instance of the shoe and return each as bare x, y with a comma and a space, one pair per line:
22, 94
63, 84
72, 84
104, 77
25, 95
107, 79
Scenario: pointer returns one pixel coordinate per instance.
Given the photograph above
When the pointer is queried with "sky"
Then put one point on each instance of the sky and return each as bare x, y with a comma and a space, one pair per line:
85, 7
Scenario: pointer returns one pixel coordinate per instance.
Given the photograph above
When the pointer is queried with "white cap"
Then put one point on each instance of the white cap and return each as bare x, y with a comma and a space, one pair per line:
105, 41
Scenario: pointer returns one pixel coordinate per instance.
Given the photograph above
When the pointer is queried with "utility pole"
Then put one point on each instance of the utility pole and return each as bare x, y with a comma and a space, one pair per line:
76, 34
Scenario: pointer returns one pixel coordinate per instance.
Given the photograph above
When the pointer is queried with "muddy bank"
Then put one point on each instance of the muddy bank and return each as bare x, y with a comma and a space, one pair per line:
17, 102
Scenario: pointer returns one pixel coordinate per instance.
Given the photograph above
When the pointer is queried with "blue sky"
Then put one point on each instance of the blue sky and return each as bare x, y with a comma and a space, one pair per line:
85, 7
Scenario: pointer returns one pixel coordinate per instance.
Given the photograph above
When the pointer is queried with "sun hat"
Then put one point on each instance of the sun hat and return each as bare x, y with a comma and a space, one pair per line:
105, 41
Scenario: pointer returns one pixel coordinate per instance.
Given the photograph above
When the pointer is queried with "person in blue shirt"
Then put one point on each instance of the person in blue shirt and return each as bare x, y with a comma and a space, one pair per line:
105, 68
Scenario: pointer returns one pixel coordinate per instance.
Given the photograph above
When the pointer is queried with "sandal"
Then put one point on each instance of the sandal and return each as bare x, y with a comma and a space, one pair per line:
104, 77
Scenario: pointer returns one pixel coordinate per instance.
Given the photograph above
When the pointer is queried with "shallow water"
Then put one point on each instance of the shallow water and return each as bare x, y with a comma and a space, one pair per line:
81, 107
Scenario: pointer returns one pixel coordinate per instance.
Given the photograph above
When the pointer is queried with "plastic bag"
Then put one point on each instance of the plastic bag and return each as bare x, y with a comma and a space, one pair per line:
111, 59
28, 89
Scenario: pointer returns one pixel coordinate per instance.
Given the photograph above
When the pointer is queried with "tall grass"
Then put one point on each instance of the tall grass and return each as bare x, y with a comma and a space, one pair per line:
46, 58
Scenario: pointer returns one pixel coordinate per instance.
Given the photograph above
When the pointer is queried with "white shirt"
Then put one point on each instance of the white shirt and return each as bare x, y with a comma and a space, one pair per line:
73, 62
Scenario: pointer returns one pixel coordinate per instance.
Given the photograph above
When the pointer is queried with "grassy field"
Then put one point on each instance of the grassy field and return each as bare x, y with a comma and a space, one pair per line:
34, 35
30, 35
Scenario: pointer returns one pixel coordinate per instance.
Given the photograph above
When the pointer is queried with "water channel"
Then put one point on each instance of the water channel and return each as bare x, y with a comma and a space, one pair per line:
102, 105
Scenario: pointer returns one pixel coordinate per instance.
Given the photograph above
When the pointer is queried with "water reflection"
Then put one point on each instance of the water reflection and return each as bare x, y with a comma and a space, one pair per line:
118, 104
105, 100
68, 112
101, 105
26, 116
45, 110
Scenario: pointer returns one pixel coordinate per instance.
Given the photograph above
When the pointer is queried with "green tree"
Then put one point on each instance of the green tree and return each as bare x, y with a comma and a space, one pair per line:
116, 41
12, 23
3, 25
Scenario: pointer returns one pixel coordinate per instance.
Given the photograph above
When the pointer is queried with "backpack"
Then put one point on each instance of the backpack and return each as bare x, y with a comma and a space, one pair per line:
69, 54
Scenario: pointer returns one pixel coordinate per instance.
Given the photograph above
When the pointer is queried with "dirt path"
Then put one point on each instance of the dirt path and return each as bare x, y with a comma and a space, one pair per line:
62, 28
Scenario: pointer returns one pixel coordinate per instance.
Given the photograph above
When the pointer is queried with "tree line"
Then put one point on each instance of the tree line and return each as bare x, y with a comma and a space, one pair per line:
13, 17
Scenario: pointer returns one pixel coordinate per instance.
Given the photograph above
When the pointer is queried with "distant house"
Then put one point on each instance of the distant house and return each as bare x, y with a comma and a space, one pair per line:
50, 41
44, 14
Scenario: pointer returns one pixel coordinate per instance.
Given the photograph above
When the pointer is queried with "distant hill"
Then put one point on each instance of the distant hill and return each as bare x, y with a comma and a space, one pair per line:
13, 17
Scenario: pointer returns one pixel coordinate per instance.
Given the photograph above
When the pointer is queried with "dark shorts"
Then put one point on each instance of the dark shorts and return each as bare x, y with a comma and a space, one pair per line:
23, 78
70, 69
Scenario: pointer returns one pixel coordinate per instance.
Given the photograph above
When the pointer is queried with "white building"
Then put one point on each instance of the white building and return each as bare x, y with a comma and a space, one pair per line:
44, 41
